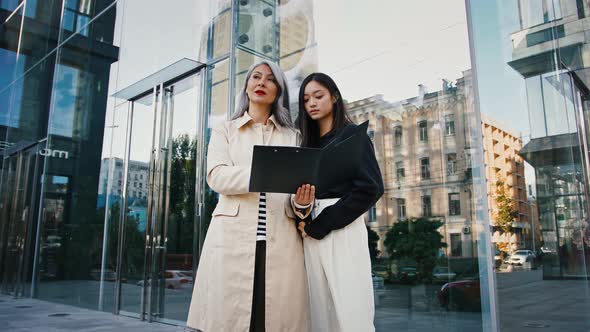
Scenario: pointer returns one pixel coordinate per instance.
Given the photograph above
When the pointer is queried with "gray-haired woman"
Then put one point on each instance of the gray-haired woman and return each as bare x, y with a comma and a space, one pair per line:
251, 275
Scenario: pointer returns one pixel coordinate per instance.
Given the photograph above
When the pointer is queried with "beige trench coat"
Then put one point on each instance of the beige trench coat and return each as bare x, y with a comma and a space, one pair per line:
222, 296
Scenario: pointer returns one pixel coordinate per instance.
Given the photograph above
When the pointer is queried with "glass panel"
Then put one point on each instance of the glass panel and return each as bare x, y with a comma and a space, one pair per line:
217, 86
9, 5
60, 97
443, 285
145, 40
28, 200
537, 195
9, 241
133, 266
221, 29
257, 28
109, 200
538, 124
558, 100
181, 223
71, 272
77, 15
35, 43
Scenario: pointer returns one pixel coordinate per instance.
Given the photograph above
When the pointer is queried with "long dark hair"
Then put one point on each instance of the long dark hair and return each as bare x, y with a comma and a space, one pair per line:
310, 131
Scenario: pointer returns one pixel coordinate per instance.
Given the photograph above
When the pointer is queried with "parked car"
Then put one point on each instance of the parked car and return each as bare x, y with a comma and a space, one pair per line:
109, 275
497, 258
408, 274
442, 274
461, 295
52, 242
381, 271
176, 279
519, 257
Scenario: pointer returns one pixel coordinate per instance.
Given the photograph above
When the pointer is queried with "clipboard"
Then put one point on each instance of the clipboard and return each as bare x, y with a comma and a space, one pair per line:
283, 169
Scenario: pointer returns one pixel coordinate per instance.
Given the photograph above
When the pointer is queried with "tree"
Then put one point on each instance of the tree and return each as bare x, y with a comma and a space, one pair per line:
415, 239
505, 213
182, 195
373, 238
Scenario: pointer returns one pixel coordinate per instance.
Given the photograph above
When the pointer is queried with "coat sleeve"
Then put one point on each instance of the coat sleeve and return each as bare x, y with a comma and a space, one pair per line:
222, 175
367, 189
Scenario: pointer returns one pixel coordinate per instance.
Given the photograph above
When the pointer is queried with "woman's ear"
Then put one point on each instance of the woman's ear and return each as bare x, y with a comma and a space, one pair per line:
334, 98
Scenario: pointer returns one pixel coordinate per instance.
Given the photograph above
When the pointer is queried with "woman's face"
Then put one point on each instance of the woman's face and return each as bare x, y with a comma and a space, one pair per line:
262, 86
319, 103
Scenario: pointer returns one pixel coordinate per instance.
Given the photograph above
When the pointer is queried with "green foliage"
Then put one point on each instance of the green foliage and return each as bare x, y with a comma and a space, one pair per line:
182, 195
134, 247
373, 238
505, 213
415, 239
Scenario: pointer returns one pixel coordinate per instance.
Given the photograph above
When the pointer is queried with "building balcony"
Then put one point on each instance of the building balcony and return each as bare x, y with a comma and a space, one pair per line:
533, 48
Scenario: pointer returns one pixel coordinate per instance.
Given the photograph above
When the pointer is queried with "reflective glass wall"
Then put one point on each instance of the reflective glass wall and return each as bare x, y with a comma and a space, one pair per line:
531, 67
477, 114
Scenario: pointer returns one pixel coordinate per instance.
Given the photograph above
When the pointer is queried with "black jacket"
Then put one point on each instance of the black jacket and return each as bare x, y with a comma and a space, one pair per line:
357, 195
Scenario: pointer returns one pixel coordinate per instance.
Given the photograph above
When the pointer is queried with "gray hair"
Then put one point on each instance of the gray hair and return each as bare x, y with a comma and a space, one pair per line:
280, 106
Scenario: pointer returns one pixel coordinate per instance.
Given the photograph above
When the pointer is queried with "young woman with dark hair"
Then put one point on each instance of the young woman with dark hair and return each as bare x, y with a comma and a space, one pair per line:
335, 237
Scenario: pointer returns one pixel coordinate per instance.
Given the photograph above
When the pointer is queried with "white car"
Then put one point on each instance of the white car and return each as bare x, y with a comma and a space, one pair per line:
176, 279
519, 257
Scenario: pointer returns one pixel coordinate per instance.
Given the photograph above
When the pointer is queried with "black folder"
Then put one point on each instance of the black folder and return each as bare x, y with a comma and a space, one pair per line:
283, 169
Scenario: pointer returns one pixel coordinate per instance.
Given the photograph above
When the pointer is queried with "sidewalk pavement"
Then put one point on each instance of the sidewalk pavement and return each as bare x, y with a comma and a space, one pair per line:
19, 315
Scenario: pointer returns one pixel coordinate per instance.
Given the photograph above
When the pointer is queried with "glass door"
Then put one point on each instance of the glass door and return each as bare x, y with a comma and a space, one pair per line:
19, 211
176, 199
161, 181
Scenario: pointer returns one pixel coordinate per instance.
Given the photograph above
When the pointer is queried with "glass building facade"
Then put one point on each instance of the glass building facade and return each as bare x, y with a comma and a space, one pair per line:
478, 113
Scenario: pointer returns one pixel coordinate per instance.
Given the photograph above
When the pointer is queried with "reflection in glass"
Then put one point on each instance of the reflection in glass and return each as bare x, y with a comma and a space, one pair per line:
546, 222
180, 227
256, 27
133, 265
221, 34
70, 273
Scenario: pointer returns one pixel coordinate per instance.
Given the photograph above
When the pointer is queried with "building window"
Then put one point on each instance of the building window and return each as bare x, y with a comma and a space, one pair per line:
450, 125
426, 206
545, 35
140, 185
400, 171
134, 184
134, 193
468, 159
401, 208
119, 182
538, 12
141, 176
373, 213
454, 204
423, 131
451, 163
397, 135
456, 245
136, 176
425, 168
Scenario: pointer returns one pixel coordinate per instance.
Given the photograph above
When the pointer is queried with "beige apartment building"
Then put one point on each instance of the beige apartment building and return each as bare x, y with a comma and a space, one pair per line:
423, 150
501, 146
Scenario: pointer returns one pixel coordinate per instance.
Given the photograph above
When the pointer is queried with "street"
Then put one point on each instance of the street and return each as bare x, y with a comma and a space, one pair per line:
525, 301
